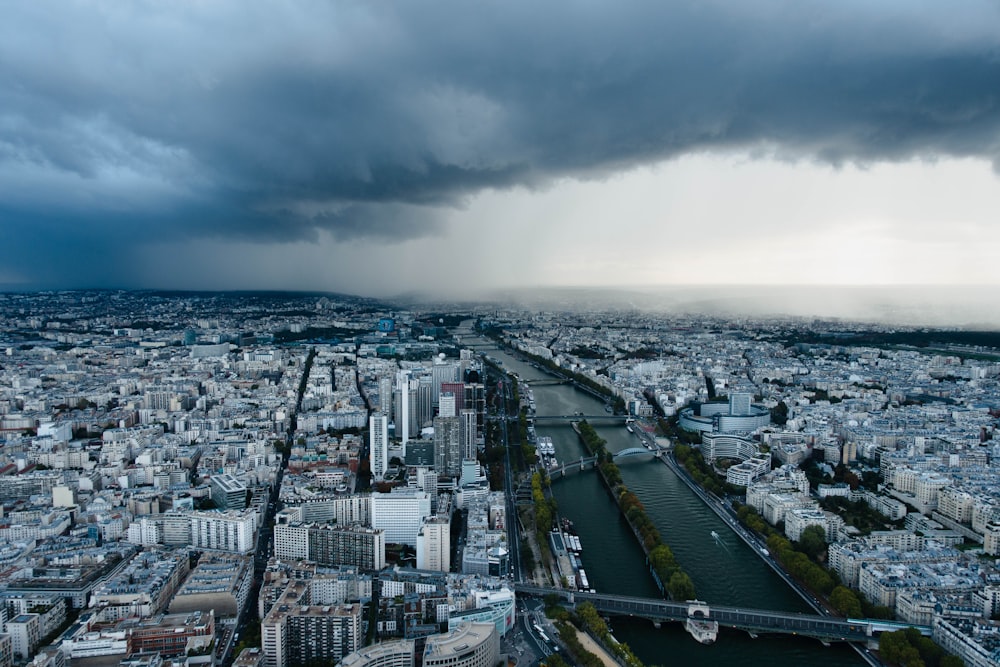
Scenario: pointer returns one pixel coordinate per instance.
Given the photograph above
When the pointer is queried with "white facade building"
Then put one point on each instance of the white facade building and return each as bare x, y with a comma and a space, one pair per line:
400, 514
434, 545
291, 541
226, 531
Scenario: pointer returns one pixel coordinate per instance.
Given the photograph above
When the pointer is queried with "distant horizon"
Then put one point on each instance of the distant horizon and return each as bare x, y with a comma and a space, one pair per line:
962, 306
19, 287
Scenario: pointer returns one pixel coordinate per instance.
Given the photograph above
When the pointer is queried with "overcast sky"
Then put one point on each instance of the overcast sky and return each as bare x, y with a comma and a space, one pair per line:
377, 148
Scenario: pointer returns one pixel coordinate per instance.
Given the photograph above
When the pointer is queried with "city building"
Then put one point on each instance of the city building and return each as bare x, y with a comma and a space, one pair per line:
976, 642
736, 416
171, 635
219, 582
434, 544
228, 493
378, 442
448, 451
296, 632
467, 645
398, 653
225, 531
400, 514
25, 635
347, 545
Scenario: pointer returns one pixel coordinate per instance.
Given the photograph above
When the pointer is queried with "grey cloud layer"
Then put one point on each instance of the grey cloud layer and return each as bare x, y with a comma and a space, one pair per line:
270, 121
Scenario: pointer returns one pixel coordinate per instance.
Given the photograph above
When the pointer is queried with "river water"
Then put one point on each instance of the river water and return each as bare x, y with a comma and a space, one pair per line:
725, 571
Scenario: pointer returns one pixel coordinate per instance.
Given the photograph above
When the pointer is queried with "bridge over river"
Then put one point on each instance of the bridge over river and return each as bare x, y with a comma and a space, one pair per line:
608, 418
753, 621
591, 461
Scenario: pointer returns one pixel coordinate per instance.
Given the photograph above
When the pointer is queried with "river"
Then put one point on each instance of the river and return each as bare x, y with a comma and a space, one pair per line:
725, 571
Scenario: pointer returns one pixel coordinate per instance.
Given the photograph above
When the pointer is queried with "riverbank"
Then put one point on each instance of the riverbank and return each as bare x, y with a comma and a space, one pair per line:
718, 506
593, 647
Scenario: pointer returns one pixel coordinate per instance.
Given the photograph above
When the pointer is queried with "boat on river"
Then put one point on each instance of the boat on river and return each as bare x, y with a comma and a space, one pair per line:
703, 630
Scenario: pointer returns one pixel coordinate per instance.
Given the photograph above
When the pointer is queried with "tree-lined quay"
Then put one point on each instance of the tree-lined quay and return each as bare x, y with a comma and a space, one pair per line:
670, 577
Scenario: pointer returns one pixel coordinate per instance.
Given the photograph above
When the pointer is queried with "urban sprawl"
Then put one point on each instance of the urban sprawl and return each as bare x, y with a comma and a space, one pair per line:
273, 480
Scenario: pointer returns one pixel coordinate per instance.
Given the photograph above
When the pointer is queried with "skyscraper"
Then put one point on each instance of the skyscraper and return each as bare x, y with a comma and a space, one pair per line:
447, 446
467, 433
406, 399
385, 396
447, 406
404, 407
458, 389
475, 399
425, 401
378, 443
739, 404
442, 371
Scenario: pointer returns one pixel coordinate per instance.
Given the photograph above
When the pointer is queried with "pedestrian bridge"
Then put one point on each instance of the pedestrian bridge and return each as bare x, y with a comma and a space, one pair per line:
579, 464
753, 621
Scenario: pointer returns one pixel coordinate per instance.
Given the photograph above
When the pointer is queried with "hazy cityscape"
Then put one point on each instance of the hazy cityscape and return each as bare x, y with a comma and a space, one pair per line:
449, 334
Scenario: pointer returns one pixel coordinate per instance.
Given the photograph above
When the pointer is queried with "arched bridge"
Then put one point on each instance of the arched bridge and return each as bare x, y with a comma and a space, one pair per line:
754, 621
591, 461
633, 451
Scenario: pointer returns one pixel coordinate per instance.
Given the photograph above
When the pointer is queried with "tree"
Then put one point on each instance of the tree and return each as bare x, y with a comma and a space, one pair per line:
778, 544
890, 646
812, 542
845, 602
910, 657
681, 587
817, 579
930, 652
591, 619
779, 413
870, 480
661, 556
908, 648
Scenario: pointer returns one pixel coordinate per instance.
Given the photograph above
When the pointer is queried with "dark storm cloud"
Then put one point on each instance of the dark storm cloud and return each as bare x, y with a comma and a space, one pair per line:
125, 122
